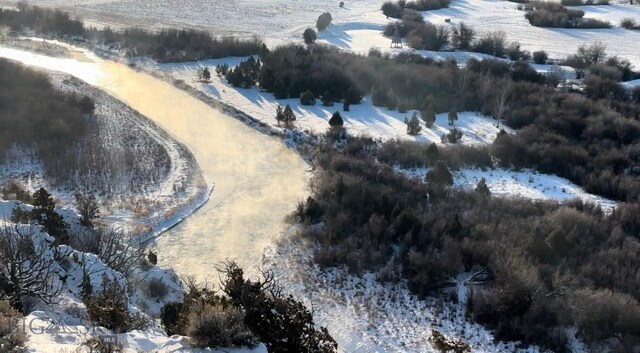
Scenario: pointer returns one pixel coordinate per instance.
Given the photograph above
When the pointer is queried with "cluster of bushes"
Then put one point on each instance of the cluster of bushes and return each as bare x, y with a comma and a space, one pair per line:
244, 75
35, 114
13, 339
584, 2
552, 14
593, 59
248, 312
426, 36
167, 45
629, 23
544, 266
397, 9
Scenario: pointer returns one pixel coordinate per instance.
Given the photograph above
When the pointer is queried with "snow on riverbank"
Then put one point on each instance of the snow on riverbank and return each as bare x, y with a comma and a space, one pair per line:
525, 184
362, 119
141, 204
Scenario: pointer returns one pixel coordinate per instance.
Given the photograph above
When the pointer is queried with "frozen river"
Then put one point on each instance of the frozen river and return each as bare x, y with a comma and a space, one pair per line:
258, 180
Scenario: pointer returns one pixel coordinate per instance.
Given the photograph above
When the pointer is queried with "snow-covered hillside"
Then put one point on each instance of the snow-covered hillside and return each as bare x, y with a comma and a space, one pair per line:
358, 25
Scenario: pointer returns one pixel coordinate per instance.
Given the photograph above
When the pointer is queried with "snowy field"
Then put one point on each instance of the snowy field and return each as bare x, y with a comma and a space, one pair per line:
358, 25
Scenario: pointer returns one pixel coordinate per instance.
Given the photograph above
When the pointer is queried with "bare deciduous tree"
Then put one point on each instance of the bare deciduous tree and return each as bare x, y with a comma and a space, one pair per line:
27, 268
500, 100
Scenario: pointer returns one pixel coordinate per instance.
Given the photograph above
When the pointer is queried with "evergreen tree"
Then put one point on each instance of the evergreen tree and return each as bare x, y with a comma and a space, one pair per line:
327, 100
279, 114
288, 117
45, 215
432, 154
309, 36
323, 21
307, 98
482, 188
454, 135
336, 120
279, 90
453, 116
439, 175
264, 52
413, 125
429, 116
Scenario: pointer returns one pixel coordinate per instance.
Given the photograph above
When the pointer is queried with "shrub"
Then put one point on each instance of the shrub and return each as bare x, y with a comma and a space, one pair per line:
629, 23
15, 190
550, 14
444, 345
426, 5
97, 345
12, 339
492, 43
157, 289
540, 57
219, 326
393, 10
109, 308
323, 21
454, 135
309, 35
463, 36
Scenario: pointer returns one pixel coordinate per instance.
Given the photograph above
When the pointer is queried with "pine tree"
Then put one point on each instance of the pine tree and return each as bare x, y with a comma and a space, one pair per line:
336, 120
482, 188
279, 114
413, 125
439, 175
309, 36
307, 98
432, 153
279, 89
429, 116
288, 116
453, 116
45, 215
327, 100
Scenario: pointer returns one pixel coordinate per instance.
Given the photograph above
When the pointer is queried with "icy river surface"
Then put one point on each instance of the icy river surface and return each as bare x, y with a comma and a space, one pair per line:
258, 180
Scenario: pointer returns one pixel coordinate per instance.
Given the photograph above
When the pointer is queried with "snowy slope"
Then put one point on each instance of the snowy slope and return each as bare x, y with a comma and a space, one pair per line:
525, 184
362, 119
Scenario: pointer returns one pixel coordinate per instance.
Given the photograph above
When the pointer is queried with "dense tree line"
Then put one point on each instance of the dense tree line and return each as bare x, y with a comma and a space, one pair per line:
34, 114
167, 45
590, 139
539, 267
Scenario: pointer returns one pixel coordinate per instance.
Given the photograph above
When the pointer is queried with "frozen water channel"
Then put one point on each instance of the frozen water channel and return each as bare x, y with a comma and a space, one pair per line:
258, 180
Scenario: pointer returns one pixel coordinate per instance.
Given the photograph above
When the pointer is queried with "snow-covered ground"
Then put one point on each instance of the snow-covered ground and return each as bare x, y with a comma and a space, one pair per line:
526, 184
362, 119
365, 315
358, 25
